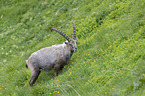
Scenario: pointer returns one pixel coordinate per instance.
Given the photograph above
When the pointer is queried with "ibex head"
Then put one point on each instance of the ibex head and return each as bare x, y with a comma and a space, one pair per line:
72, 43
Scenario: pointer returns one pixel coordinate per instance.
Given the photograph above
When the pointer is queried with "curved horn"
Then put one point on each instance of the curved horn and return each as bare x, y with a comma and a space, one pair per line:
74, 31
61, 33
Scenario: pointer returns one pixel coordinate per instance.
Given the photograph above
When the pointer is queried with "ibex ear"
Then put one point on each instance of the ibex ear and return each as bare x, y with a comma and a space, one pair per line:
66, 42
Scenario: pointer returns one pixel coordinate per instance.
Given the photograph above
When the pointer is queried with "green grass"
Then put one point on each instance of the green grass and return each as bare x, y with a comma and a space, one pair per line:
111, 46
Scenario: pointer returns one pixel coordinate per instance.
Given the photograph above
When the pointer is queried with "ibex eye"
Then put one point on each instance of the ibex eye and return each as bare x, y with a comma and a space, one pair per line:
71, 45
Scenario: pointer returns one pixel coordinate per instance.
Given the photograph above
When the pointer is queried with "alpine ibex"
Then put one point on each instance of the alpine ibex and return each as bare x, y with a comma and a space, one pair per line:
54, 57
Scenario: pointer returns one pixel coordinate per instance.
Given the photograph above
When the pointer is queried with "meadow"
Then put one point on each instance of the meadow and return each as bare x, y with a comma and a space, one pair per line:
110, 60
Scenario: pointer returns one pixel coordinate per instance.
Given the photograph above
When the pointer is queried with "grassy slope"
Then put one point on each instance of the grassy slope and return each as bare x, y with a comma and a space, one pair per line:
111, 55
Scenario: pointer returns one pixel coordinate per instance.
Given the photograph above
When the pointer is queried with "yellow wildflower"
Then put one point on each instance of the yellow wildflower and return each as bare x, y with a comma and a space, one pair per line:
5, 60
55, 92
6, 53
70, 73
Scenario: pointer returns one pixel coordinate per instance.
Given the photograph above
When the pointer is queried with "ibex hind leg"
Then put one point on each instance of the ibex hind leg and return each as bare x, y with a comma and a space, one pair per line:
34, 75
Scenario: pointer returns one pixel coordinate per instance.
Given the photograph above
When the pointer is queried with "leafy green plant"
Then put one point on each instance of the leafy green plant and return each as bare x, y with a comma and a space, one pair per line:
111, 46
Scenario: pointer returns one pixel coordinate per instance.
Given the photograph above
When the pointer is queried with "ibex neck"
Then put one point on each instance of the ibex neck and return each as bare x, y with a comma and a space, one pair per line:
69, 50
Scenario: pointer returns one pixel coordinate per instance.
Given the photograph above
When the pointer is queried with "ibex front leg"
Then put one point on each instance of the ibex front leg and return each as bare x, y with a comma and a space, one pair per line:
56, 69
59, 65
